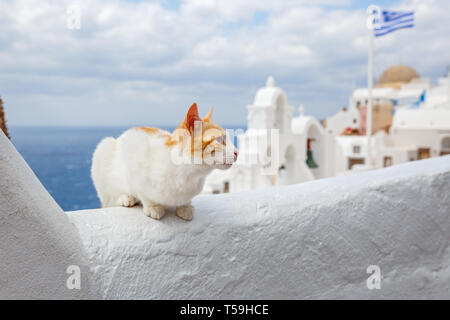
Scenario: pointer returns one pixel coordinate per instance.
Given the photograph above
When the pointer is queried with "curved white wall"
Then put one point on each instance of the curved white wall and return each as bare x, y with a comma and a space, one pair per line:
313, 240
37, 241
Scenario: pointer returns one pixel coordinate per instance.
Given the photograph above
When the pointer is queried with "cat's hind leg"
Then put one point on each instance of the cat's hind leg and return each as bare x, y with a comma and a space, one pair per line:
185, 212
153, 209
126, 200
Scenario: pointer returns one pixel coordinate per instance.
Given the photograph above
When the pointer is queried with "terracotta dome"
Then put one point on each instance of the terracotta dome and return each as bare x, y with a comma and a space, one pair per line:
397, 74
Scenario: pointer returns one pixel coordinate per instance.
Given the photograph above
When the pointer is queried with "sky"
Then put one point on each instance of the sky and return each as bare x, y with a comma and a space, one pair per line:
144, 62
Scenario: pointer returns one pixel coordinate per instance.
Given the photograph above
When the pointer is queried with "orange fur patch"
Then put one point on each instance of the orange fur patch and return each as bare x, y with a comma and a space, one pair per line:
148, 130
210, 125
170, 141
186, 124
206, 125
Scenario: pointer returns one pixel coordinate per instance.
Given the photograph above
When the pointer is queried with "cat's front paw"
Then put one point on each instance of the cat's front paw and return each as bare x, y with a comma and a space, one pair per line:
185, 212
127, 200
154, 211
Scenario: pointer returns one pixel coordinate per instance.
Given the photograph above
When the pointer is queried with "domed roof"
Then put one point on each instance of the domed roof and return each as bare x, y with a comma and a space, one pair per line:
269, 95
397, 73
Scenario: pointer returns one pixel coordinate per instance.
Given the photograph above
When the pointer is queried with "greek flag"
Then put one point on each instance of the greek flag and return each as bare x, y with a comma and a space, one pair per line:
389, 21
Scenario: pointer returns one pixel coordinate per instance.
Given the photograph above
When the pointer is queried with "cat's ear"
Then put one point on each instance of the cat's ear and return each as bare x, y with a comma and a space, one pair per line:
207, 118
191, 117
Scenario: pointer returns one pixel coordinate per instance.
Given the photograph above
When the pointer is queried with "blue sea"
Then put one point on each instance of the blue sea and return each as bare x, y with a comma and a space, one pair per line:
61, 159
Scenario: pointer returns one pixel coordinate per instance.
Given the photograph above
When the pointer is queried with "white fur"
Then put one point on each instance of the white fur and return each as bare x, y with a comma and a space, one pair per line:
138, 167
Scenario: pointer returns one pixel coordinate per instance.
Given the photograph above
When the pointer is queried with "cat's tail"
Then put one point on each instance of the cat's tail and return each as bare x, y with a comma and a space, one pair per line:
102, 167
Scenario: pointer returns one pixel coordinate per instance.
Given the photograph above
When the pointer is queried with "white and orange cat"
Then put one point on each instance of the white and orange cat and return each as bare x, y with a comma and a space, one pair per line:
160, 170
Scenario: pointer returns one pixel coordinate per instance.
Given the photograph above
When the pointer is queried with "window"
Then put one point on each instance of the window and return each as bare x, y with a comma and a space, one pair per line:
424, 153
353, 161
445, 147
387, 162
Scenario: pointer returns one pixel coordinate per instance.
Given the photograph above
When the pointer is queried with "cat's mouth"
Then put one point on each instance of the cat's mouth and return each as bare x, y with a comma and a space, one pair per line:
227, 160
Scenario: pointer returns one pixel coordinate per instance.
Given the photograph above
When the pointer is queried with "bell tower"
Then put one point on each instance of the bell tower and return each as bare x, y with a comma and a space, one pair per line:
270, 109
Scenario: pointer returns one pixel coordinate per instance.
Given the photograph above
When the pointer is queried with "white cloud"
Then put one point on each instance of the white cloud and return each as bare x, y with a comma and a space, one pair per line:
142, 62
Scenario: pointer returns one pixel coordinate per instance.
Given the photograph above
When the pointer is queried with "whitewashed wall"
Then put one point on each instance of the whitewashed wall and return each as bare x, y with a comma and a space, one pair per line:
37, 241
309, 241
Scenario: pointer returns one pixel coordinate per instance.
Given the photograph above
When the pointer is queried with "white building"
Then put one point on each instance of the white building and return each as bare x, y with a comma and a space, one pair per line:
273, 150
411, 121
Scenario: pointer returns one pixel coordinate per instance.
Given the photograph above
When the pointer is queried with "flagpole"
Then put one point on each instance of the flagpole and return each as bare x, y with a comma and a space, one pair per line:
369, 98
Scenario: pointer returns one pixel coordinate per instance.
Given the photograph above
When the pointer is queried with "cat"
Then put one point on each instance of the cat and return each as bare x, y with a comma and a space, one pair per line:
152, 167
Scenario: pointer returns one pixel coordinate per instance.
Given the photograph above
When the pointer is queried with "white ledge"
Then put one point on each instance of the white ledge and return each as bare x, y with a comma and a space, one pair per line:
313, 240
